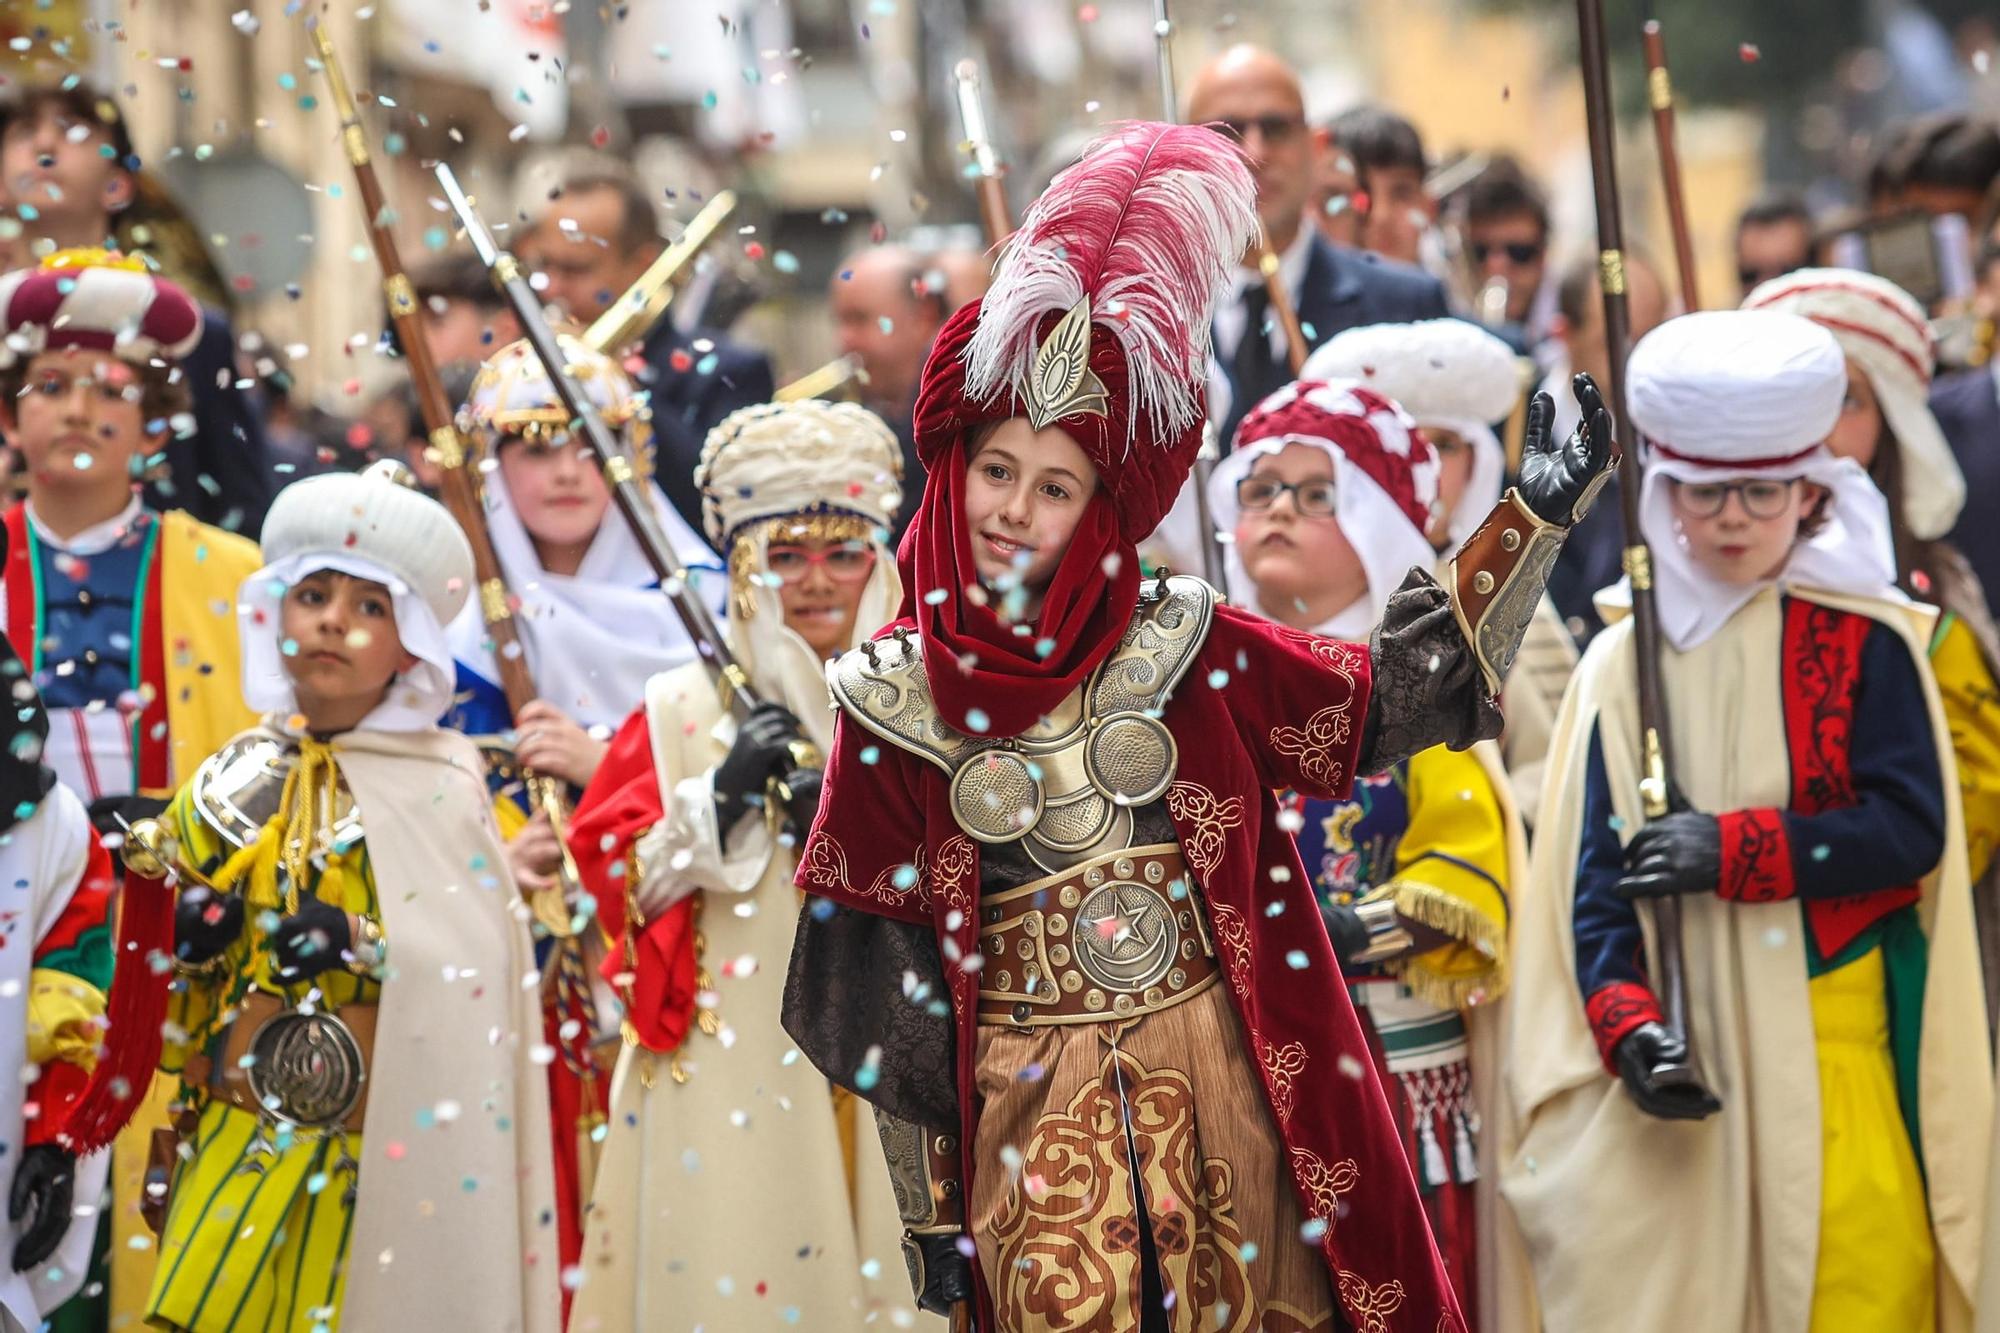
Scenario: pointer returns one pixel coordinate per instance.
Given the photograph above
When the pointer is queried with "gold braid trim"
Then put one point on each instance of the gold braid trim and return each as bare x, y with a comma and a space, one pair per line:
746, 552
1433, 907
306, 805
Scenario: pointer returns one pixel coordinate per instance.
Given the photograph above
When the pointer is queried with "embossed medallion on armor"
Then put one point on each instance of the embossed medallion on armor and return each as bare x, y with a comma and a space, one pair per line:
1125, 936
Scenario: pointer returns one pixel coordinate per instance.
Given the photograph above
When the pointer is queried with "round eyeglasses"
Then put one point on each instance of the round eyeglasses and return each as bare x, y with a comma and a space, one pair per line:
1313, 499
848, 562
1761, 498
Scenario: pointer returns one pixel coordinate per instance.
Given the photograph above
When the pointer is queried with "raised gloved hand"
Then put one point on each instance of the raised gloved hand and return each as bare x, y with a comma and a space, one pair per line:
1557, 481
205, 924
39, 1202
1646, 1057
761, 751
1346, 929
940, 1274
1680, 852
312, 939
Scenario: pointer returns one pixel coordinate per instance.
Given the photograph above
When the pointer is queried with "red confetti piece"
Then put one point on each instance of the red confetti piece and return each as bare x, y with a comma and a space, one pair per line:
680, 360
351, 388
1087, 14
753, 251
1748, 53
600, 136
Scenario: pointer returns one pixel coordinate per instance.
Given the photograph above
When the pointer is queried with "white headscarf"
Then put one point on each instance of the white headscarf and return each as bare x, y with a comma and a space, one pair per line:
1884, 331
1729, 394
367, 527
1448, 374
592, 638
417, 697
1386, 538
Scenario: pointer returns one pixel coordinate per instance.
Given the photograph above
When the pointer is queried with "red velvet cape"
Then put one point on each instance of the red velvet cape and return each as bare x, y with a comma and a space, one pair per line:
1264, 707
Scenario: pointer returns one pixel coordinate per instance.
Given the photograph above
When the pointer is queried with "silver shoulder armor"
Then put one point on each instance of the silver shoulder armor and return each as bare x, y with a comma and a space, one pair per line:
238, 788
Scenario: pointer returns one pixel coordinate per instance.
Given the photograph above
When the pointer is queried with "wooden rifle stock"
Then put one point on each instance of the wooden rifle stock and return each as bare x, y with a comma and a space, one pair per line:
1660, 92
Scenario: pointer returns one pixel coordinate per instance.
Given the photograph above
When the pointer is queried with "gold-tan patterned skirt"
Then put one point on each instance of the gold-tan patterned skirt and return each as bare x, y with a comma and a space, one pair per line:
1052, 1200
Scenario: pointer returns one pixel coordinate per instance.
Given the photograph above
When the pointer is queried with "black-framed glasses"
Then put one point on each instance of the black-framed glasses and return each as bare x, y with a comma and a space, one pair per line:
1275, 128
1517, 252
1314, 499
1761, 497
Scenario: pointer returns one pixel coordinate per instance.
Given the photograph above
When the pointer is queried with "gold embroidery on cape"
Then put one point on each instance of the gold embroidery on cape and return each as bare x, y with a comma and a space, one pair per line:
1067, 1241
1282, 1066
1324, 1184
1208, 821
951, 873
1232, 937
1370, 1306
824, 866
1315, 746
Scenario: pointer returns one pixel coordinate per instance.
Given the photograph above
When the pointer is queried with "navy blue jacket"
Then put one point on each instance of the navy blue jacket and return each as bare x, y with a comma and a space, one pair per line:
221, 474
1968, 407
688, 402
1343, 289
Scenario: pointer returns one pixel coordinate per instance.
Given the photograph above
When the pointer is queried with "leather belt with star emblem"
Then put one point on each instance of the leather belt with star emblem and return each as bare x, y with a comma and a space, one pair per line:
1110, 938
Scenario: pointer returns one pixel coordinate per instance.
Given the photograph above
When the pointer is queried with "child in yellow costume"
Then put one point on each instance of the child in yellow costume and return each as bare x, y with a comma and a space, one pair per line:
1327, 496
347, 963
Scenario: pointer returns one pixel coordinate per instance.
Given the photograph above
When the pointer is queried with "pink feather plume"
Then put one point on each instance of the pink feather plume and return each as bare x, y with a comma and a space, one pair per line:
1149, 223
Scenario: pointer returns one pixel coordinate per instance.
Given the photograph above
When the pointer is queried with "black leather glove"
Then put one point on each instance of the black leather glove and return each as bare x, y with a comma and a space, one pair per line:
806, 784
1641, 1056
42, 1194
762, 751
1555, 477
940, 1274
205, 924
111, 814
1346, 929
1680, 852
312, 939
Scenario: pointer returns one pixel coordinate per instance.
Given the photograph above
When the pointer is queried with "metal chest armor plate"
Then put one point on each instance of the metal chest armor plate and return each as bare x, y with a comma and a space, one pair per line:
237, 790
1064, 789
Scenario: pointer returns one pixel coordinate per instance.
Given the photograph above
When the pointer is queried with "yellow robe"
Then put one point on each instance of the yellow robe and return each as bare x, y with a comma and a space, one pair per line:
201, 569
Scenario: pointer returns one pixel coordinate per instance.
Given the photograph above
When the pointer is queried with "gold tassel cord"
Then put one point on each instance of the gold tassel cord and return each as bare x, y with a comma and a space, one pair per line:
1477, 932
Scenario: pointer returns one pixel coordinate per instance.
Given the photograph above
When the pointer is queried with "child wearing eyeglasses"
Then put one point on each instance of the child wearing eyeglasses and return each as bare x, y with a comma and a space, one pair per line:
1814, 843
1329, 496
689, 849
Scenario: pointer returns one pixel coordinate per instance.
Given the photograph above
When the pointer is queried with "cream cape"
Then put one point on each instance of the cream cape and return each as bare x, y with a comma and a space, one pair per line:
454, 1226
1641, 1224
723, 1202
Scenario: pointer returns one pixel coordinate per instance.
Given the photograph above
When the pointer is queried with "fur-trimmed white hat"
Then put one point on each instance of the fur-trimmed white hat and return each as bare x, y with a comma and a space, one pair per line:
776, 459
370, 516
1884, 331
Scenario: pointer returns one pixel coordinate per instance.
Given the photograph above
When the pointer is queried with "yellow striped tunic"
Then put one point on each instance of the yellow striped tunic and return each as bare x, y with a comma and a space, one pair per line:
259, 1217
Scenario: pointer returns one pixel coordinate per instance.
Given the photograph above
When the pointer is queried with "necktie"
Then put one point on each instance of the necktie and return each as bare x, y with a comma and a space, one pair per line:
1252, 368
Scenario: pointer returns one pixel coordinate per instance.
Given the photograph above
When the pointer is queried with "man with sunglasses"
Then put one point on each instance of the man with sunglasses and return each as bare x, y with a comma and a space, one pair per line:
1252, 95
1507, 242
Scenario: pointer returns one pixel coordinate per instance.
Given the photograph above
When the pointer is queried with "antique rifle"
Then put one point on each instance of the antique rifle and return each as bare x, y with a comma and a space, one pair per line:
987, 168
1655, 735
1660, 92
452, 451
629, 490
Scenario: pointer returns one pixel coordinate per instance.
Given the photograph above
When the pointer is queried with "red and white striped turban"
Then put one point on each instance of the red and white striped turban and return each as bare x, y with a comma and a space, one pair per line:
96, 299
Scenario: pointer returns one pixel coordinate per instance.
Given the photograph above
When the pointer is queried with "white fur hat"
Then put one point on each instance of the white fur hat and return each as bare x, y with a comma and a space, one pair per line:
1444, 372
1448, 374
1883, 330
796, 458
370, 516
1744, 388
